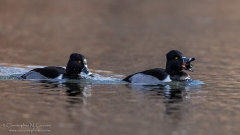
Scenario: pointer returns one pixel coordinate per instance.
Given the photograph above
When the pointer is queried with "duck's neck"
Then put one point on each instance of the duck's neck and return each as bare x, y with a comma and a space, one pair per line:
181, 76
71, 71
173, 72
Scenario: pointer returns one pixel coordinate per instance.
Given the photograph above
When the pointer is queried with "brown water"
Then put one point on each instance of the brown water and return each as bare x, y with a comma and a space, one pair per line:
123, 37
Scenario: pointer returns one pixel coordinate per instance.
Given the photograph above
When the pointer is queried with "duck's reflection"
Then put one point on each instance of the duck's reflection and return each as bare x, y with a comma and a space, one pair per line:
175, 97
75, 89
75, 92
72, 96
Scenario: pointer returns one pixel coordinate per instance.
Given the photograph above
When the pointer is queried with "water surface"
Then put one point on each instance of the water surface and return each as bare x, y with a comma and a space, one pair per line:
119, 38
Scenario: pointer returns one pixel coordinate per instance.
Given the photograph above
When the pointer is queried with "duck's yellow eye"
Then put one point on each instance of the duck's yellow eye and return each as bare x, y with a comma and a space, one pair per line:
79, 61
176, 58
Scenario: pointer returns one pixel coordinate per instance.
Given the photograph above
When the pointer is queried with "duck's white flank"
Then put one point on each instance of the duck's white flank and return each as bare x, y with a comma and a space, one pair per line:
35, 75
142, 78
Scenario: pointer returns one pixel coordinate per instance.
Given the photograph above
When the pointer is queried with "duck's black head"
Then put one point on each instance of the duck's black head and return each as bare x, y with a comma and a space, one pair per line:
176, 62
77, 63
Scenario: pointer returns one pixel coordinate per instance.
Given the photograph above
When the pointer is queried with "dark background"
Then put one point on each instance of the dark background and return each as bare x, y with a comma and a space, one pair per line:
117, 35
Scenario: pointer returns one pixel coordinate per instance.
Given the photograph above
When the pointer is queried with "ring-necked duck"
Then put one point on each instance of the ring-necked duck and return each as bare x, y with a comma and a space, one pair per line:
176, 62
77, 63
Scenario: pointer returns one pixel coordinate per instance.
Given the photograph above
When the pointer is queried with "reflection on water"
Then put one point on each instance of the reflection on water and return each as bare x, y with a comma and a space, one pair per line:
73, 90
174, 95
121, 37
73, 105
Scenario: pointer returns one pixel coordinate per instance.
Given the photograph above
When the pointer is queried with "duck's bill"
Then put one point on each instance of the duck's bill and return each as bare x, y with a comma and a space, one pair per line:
187, 63
86, 71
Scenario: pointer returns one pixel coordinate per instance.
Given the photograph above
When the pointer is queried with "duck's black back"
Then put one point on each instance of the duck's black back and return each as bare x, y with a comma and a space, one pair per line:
49, 72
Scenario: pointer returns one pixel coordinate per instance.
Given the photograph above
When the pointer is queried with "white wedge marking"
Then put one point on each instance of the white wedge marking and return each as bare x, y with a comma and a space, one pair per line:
59, 77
